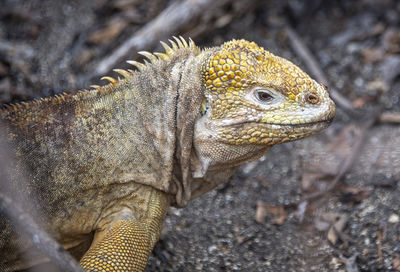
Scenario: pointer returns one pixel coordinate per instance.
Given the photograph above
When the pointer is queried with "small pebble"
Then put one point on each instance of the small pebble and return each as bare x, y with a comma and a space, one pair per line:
394, 218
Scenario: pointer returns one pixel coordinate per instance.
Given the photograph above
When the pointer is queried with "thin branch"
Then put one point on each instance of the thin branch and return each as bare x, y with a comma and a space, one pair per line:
47, 245
390, 117
166, 24
349, 161
305, 54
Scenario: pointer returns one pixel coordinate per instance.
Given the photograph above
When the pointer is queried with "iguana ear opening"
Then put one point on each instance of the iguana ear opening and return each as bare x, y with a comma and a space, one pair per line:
205, 105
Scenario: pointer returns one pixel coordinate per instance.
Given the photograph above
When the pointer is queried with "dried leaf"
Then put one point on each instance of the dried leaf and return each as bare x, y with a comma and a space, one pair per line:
278, 213
261, 212
396, 263
330, 217
377, 85
84, 57
124, 4
338, 222
351, 265
321, 225
341, 223
108, 33
224, 20
372, 54
332, 236
309, 178
336, 262
391, 40
263, 181
355, 194
359, 102
390, 117
3, 69
133, 16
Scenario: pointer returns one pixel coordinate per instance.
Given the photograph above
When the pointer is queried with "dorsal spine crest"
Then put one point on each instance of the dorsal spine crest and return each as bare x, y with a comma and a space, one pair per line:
178, 44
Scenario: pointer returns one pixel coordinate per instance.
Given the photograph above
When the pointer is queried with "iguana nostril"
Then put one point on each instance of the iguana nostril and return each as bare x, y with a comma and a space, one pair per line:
324, 86
312, 98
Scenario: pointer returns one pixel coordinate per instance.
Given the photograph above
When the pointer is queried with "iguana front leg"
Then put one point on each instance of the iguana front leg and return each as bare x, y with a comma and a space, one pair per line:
127, 244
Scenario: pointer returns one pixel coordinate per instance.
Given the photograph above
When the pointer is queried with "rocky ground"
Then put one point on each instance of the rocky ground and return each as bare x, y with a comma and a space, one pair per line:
257, 222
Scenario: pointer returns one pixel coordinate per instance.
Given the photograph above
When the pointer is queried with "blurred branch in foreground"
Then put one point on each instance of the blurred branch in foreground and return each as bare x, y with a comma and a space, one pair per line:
305, 54
24, 222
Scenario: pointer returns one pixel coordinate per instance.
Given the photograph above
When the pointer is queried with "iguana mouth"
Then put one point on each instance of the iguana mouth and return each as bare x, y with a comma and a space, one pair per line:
322, 122
247, 122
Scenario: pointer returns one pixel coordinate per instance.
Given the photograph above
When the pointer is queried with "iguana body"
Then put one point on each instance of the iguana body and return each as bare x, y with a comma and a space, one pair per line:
110, 161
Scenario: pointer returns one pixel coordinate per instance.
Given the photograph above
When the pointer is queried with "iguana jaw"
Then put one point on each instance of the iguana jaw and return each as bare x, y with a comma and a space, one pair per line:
222, 145
269, 129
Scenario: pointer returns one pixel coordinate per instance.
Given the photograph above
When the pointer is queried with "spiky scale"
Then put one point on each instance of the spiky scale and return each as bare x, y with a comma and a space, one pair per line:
174, 45
59, 98
97, 87
167, 48
113, 81
7, 107
192, 45
162, 56
148, 55
122, 72
179, 42
138, 65
184, 42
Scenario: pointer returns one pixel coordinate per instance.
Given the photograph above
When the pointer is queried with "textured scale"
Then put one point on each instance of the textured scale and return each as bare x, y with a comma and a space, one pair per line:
106, 163
127, 245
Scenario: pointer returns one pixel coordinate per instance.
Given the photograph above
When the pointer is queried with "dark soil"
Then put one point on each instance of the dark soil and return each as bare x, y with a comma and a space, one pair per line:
47, 47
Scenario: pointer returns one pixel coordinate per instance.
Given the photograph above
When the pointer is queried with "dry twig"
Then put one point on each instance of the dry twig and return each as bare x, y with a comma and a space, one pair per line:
348, 162
390, 117
303, 52
167, 23
379, 242
351, 264
47, 245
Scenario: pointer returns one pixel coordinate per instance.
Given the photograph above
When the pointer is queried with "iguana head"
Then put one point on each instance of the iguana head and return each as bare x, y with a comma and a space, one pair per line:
256, 99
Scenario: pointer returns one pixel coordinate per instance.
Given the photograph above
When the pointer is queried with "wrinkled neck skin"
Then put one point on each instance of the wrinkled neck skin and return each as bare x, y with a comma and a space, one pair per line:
203, 160
215, 155
190, 96
214, 162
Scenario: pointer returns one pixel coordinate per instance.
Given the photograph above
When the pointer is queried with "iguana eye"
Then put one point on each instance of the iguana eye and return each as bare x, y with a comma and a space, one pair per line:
263, 95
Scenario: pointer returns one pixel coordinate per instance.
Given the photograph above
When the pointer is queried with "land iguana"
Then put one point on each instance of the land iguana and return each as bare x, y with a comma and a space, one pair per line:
105, 164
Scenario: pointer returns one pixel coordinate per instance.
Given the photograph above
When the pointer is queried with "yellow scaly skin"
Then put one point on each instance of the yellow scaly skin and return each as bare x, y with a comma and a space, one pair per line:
109, 162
